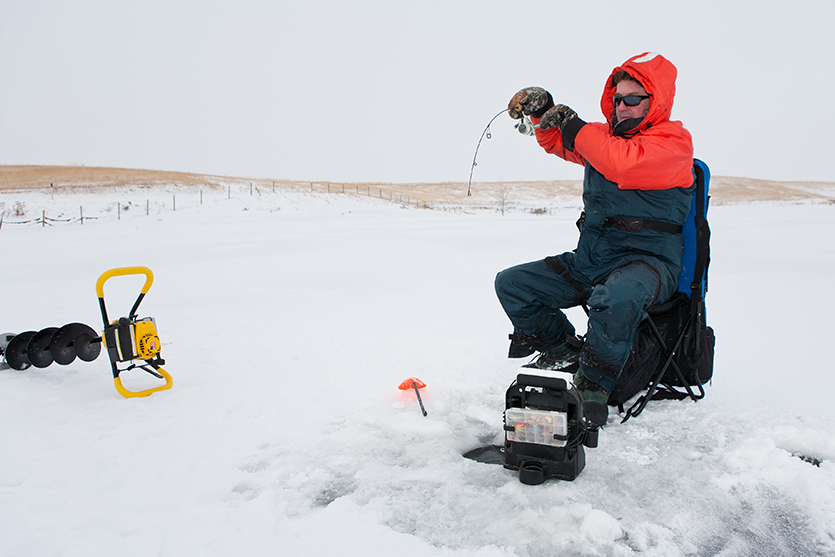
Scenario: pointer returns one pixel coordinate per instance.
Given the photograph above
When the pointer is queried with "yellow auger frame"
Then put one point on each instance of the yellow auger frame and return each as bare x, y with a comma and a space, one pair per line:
129, 338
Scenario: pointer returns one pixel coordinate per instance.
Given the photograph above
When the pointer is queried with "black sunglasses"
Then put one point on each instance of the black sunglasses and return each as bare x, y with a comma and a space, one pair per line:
629, 100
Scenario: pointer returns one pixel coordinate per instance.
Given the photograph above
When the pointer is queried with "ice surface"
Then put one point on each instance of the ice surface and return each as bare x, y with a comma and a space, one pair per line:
288, 320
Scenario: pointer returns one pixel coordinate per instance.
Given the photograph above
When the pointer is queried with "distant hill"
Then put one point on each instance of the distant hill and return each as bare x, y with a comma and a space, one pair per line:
723, 189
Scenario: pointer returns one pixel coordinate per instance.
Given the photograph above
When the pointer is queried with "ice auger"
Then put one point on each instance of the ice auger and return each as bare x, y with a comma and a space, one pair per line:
129, 339
60, 345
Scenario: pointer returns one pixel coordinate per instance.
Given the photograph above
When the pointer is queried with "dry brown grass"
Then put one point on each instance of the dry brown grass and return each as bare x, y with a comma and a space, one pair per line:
532, 194
38, 177
726, 189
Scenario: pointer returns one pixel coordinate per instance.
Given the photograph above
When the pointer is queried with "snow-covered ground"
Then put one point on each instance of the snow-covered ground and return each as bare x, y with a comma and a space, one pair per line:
288, 321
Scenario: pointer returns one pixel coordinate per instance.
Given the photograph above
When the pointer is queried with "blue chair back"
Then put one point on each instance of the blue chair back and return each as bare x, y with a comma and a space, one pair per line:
696, 235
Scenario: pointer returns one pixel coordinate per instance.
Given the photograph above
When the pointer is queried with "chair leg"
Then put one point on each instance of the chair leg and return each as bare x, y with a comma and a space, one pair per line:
669, 362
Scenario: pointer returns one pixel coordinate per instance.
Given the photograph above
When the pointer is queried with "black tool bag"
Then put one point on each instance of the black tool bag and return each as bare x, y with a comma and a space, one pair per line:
673, 350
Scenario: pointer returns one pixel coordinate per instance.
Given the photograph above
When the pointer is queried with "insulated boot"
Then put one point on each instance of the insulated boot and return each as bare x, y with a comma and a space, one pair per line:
560, 356
595, 399
521, 346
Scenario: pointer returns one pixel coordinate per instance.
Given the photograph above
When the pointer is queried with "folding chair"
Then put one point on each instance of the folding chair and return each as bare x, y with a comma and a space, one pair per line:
675, 334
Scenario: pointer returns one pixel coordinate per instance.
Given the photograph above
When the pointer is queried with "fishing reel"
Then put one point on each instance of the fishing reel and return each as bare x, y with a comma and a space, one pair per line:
525, 126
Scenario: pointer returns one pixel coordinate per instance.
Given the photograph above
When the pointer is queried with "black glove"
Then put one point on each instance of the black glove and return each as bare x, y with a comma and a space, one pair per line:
531, 101
556, 117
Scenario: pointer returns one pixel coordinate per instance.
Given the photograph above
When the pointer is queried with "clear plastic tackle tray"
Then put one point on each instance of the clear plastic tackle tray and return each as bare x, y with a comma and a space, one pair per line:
536, 426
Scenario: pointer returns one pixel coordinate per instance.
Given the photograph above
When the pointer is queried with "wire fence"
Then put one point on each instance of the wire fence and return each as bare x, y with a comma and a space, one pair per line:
95, 206
44, 220
18, 214
368, 191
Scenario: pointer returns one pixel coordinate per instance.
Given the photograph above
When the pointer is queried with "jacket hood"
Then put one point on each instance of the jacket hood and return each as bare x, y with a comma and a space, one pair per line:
658, 77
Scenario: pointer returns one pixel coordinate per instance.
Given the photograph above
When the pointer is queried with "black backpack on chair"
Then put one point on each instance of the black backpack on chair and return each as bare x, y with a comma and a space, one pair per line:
673, 349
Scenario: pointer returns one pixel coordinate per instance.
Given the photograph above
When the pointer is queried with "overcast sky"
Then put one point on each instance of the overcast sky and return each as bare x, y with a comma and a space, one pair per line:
393, 91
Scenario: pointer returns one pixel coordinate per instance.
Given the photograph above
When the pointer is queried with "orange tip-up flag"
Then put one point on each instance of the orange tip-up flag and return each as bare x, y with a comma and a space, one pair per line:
414, 383
410, 382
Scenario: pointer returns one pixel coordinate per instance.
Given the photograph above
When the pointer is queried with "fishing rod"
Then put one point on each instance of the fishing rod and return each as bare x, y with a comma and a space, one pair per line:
525, 127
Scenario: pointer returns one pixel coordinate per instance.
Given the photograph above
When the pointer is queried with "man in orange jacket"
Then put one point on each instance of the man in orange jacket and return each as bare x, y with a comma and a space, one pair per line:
637, 190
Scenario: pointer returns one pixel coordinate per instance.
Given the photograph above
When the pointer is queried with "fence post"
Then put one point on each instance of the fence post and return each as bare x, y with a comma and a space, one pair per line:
43, 218
81, 211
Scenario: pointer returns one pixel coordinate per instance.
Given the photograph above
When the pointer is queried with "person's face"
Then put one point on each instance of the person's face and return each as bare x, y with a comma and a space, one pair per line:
622, 111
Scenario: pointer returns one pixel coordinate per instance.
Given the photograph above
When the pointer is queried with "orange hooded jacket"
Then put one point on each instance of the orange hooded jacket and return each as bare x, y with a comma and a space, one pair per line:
656, 155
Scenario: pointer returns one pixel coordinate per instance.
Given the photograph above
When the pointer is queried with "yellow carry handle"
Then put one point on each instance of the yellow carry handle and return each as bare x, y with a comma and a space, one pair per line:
149, 278
169, 382
120, 347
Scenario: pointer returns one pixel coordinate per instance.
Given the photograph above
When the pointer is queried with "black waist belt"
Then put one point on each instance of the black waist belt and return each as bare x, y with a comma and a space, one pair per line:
628, 224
